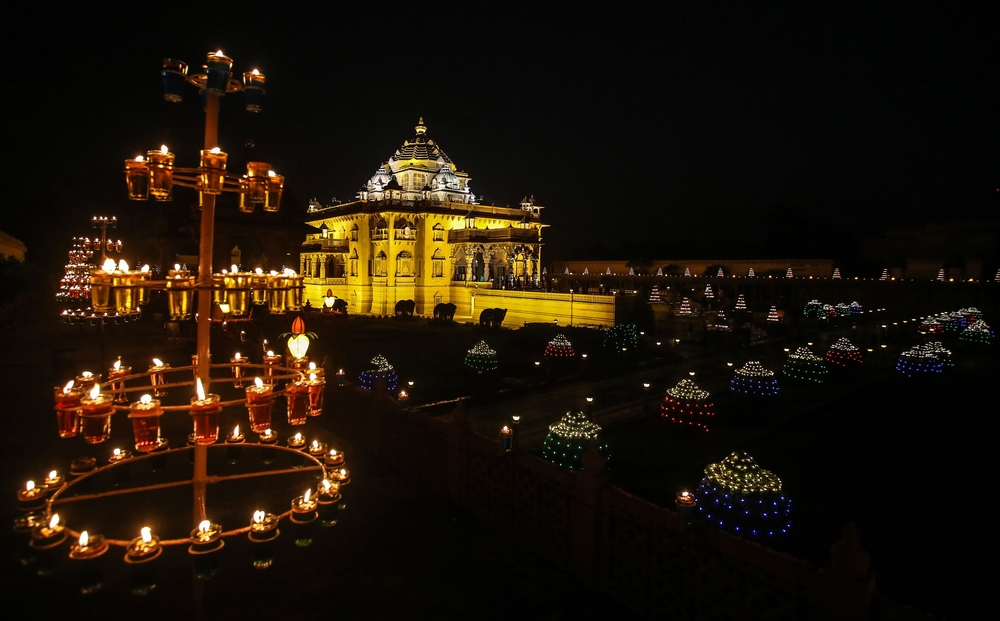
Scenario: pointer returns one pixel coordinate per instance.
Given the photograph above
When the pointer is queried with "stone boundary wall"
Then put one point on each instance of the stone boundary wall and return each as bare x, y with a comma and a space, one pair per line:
640, 554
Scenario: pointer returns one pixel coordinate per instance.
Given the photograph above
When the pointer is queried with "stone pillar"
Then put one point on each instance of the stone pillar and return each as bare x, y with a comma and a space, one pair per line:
322, 266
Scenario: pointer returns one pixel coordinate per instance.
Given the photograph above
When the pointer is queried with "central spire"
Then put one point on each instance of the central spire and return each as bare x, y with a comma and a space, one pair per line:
421, 128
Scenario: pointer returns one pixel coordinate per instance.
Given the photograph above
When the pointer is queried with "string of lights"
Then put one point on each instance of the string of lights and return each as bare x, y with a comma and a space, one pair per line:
843, 353
739, 496
569, 438
687, 404
559, 347
379, 369
481, 358
754, 380
805, 366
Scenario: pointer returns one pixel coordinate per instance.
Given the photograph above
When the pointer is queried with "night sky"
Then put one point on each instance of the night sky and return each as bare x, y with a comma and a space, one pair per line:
657, 128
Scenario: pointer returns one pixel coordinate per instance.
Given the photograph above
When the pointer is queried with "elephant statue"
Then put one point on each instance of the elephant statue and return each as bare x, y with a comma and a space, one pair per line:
340, 306
404, 308
492, 317
444, 312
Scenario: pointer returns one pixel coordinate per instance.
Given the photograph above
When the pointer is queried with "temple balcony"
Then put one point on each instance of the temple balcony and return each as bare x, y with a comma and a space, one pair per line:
493, 235
317, 243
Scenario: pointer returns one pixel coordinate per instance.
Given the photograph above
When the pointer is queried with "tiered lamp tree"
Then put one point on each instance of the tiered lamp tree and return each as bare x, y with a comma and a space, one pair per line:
885, 274
918, 362
721, 323
942, 353
753, 380
930, 327
844, 354
622, 337
654, 295
979, 333
741, 303
805, 366
751, 274
772, 315
709, 294
739, 496
685, 308
721, 273
836, 273
75, 283
686, 404
559, 348
789, 273
687, 271
481, 358
379, 369
569, 438
940, 275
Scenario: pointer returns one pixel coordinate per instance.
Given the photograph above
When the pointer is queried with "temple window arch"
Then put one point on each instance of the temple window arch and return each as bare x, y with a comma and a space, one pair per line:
437, 264
438, 231
354, 233
404, 263
380, 264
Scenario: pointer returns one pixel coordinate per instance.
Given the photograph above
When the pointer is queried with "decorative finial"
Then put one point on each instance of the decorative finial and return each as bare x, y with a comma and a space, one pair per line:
421, 128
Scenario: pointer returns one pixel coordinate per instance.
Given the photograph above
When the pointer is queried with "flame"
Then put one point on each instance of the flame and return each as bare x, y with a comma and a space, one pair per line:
271, 173
298, 437
274, 272
200, 389
30, 485
122, 266
54, 521
87, 374
157, 362
270, 353
312, 367
96, 390
258, 517
139, 158
163, 149
305, 497
237, 356
118, 365
109, 265
177, 267
53, 475
268, 432
219, 53
340, 372
68, 387
326, 485
146, 534
315, 444
234, 268
258, 383
505, 429
343, 472
685, 494
116, 452
258, 271
236, 431
84, 539
145, 268
204, 526
255, 72
146, 399
216, 150
333, 452
312, 377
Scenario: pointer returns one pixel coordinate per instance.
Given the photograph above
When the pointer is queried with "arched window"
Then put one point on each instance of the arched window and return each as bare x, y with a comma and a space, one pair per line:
404, 264
380, 261
353, 263
354, 233
437, 264
438, 232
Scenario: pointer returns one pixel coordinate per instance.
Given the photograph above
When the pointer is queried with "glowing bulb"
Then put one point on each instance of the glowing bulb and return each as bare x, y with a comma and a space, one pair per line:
258, 517
200, 389
84, 539
147, 535
68, 387
109, 265
54, 521
96, 390
258, 383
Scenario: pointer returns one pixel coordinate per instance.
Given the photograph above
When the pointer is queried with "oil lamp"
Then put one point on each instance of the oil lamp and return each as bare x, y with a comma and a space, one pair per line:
686, 505
89, 548
137, 178
260, 400
100, 288
233, 441
145, 416
253, 91
49, 534
126, 291
315, 370
263, 530
117, 371
256, 191
297, 396
340, 377
404, 399
342, 476
317, 448
119, 455
31, 497
143, 548
316, 386
239, 363
180, 293
506, 439
213, 170
328, 495
304, 508
333, 458
161, 173
206, 538
67, 409
158, 377
86, 380
218, 67
82, 465
205, 416
271, 360
268, 436
95, 415
275, 187
54, 481
174, 74
297, 441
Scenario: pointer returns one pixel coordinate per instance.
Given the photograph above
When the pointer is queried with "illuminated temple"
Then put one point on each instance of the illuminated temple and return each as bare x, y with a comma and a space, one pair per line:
416, 232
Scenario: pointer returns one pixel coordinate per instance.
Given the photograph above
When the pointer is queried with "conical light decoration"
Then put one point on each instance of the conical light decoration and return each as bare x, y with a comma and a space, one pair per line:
686, 404
559, 348
481, 358
843, 354
753, 380
741, 497
379, 369
568, 439
805, 366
